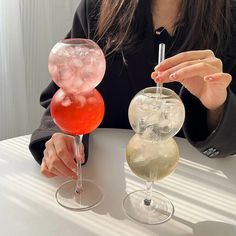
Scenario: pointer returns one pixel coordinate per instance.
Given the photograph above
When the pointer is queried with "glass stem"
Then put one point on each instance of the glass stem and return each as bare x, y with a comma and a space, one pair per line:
148, 199
79, 186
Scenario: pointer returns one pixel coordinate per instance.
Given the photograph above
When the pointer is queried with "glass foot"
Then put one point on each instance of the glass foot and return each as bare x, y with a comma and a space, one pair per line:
90, 196
159, 210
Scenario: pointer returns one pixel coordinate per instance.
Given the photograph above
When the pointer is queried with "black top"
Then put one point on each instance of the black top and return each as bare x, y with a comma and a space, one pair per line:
129, 72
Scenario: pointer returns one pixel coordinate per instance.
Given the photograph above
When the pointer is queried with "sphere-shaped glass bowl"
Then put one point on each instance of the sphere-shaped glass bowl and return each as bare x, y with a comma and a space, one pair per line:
76, 65
156, 113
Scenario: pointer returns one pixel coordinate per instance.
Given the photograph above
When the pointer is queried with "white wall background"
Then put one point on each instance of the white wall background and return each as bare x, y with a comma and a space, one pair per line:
28, 30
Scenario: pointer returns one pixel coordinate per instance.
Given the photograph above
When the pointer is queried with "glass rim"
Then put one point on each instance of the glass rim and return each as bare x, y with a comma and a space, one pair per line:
76, 41
154, 89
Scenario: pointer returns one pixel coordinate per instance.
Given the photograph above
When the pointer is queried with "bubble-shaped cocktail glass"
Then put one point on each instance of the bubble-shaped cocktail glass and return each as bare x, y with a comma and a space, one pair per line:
156, 115
77, 108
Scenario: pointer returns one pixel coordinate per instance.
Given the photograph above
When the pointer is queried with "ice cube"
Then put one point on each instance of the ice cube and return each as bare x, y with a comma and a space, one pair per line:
59, 96
165, 126
77, 62
95, 52
92, 100
152, 133
140, 126
65, 73
87, 73
81, 100
153, 117
66, 102
81, 51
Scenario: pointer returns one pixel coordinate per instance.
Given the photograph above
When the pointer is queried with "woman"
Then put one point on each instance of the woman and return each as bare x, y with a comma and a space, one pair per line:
201, 67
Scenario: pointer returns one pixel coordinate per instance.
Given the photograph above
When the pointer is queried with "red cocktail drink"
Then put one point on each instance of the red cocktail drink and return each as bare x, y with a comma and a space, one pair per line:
77, 114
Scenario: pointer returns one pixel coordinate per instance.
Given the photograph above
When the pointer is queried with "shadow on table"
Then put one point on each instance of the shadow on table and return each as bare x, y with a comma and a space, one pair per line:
108, 170
106, 167
216, 175
206, 228
208, 167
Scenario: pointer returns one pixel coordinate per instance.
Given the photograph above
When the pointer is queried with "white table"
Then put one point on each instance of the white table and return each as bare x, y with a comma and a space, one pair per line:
202, 190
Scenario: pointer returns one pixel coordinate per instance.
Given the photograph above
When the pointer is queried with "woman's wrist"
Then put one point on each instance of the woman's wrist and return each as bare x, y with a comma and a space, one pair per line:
214, 117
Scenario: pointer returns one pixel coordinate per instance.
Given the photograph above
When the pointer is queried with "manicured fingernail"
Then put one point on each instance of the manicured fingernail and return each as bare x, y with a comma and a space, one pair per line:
158, 78
208, 79
156, 67
158, 81
153, 75
173, 76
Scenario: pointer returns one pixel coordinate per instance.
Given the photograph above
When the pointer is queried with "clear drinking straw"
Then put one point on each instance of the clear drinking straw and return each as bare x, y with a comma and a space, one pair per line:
161, 57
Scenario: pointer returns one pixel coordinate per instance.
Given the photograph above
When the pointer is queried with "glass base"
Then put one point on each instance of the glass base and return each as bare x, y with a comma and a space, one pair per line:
157, 211
90, 196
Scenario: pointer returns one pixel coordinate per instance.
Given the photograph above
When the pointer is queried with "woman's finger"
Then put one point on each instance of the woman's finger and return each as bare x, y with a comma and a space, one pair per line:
55, 164
45, 171
183, 57
165, 75
51, 169
197, 70
64, 154
219, 78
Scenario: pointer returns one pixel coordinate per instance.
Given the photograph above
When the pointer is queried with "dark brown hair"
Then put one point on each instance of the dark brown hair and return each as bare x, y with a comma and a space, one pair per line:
206, 24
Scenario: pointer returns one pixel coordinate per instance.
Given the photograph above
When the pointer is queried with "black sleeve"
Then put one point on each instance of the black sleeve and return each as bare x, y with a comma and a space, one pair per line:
80, 29
222, 141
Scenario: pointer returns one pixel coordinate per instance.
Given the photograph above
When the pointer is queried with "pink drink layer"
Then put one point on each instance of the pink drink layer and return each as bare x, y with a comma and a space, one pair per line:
76, 65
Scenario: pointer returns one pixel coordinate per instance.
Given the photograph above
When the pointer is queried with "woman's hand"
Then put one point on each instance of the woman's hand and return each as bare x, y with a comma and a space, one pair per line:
59, 156
200, 72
